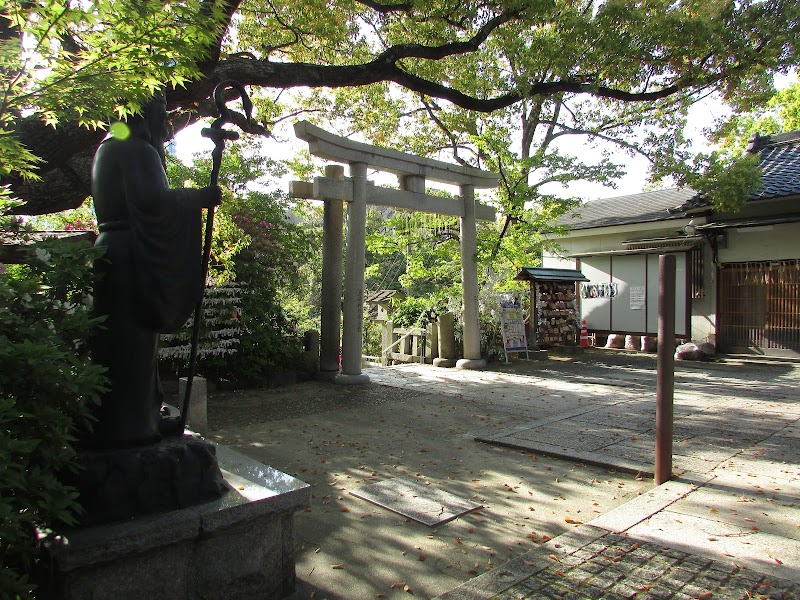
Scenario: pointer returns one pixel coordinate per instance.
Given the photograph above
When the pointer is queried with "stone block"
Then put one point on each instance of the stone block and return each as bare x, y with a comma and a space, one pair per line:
238, 546
120, 483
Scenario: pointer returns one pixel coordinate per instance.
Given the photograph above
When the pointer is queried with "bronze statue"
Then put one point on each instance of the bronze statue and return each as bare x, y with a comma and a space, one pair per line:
151, 277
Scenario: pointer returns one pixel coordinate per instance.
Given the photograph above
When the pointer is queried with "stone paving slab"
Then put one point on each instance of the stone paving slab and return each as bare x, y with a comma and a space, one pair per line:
423, 503
635, 511
614, 566
620, 463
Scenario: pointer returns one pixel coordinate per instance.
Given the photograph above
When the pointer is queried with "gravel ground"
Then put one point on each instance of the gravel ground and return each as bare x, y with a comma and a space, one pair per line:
338, 438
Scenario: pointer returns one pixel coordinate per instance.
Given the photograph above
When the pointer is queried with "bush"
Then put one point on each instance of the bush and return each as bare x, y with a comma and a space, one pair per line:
491, 336
47, 385
260, 246
271, 253
417, 312
258, 262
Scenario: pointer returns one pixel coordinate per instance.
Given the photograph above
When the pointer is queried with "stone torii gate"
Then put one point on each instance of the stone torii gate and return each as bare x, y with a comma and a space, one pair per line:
334, 189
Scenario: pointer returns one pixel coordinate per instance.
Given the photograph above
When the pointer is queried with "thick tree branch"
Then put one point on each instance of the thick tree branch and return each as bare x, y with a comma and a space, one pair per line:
401, 51
393, 64
387, 8
230, 7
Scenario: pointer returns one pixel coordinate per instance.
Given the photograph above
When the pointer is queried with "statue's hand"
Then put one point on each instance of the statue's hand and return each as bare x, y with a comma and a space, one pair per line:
214, 194
199, 198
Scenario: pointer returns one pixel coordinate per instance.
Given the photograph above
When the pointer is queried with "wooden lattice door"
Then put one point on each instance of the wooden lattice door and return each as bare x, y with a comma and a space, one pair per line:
759, 308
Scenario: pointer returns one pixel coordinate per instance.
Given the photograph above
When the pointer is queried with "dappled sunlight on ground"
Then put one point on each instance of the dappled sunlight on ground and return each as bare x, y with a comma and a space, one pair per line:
349, 548
419, 422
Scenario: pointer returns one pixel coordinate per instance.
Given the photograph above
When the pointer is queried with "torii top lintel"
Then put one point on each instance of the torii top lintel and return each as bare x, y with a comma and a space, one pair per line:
339, 149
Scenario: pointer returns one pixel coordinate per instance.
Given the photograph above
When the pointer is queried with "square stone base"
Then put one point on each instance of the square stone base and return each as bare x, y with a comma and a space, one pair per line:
240, 546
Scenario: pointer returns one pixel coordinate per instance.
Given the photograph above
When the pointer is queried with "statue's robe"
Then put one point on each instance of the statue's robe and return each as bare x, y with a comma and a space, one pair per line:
149, 281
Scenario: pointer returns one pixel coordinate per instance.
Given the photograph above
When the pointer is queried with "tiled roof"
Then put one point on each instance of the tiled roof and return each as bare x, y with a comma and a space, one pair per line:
622, 210
780, 161
379, 295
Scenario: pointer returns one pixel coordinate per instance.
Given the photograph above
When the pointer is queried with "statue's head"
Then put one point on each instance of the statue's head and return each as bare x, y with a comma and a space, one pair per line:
151, 124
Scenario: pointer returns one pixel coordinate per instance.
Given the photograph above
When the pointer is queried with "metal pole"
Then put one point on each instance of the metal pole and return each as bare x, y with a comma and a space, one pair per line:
666, 368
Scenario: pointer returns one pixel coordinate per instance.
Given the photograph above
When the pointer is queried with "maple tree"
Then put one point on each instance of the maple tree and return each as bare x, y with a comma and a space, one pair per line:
474, 55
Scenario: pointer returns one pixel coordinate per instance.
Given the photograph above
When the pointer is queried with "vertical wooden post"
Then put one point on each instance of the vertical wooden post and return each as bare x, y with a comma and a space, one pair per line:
666, 368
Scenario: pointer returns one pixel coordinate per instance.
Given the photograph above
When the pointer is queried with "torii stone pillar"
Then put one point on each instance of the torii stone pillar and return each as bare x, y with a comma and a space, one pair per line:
353, 307
330, 319
469, 283
412, 172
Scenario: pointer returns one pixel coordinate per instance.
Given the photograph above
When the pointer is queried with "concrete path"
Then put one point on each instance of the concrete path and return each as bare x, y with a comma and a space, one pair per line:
558, 438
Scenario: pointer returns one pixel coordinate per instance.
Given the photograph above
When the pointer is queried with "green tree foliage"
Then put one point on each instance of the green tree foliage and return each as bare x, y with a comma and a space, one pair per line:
414, 252
727, 180
781, 113
729, 174
83, 62
268, 247
587, 58
545, 80
47, 386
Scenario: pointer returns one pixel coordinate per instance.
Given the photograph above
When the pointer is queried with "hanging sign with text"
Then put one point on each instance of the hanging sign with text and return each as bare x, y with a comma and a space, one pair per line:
512, 323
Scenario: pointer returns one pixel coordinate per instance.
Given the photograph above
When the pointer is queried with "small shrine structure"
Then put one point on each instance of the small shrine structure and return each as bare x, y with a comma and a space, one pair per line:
555, 310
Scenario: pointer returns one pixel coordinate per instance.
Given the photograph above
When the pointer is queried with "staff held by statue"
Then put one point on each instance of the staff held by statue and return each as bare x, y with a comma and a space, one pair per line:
219, 136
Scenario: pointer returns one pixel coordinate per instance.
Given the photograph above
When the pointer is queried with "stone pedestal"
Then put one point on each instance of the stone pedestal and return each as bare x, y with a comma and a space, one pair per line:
351, 379
121, 483
197, 419
447, 342
471, 363
239, 546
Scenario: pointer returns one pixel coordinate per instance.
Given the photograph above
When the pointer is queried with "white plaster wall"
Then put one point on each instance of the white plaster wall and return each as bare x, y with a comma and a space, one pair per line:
768, 242
596, 311
556, 262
